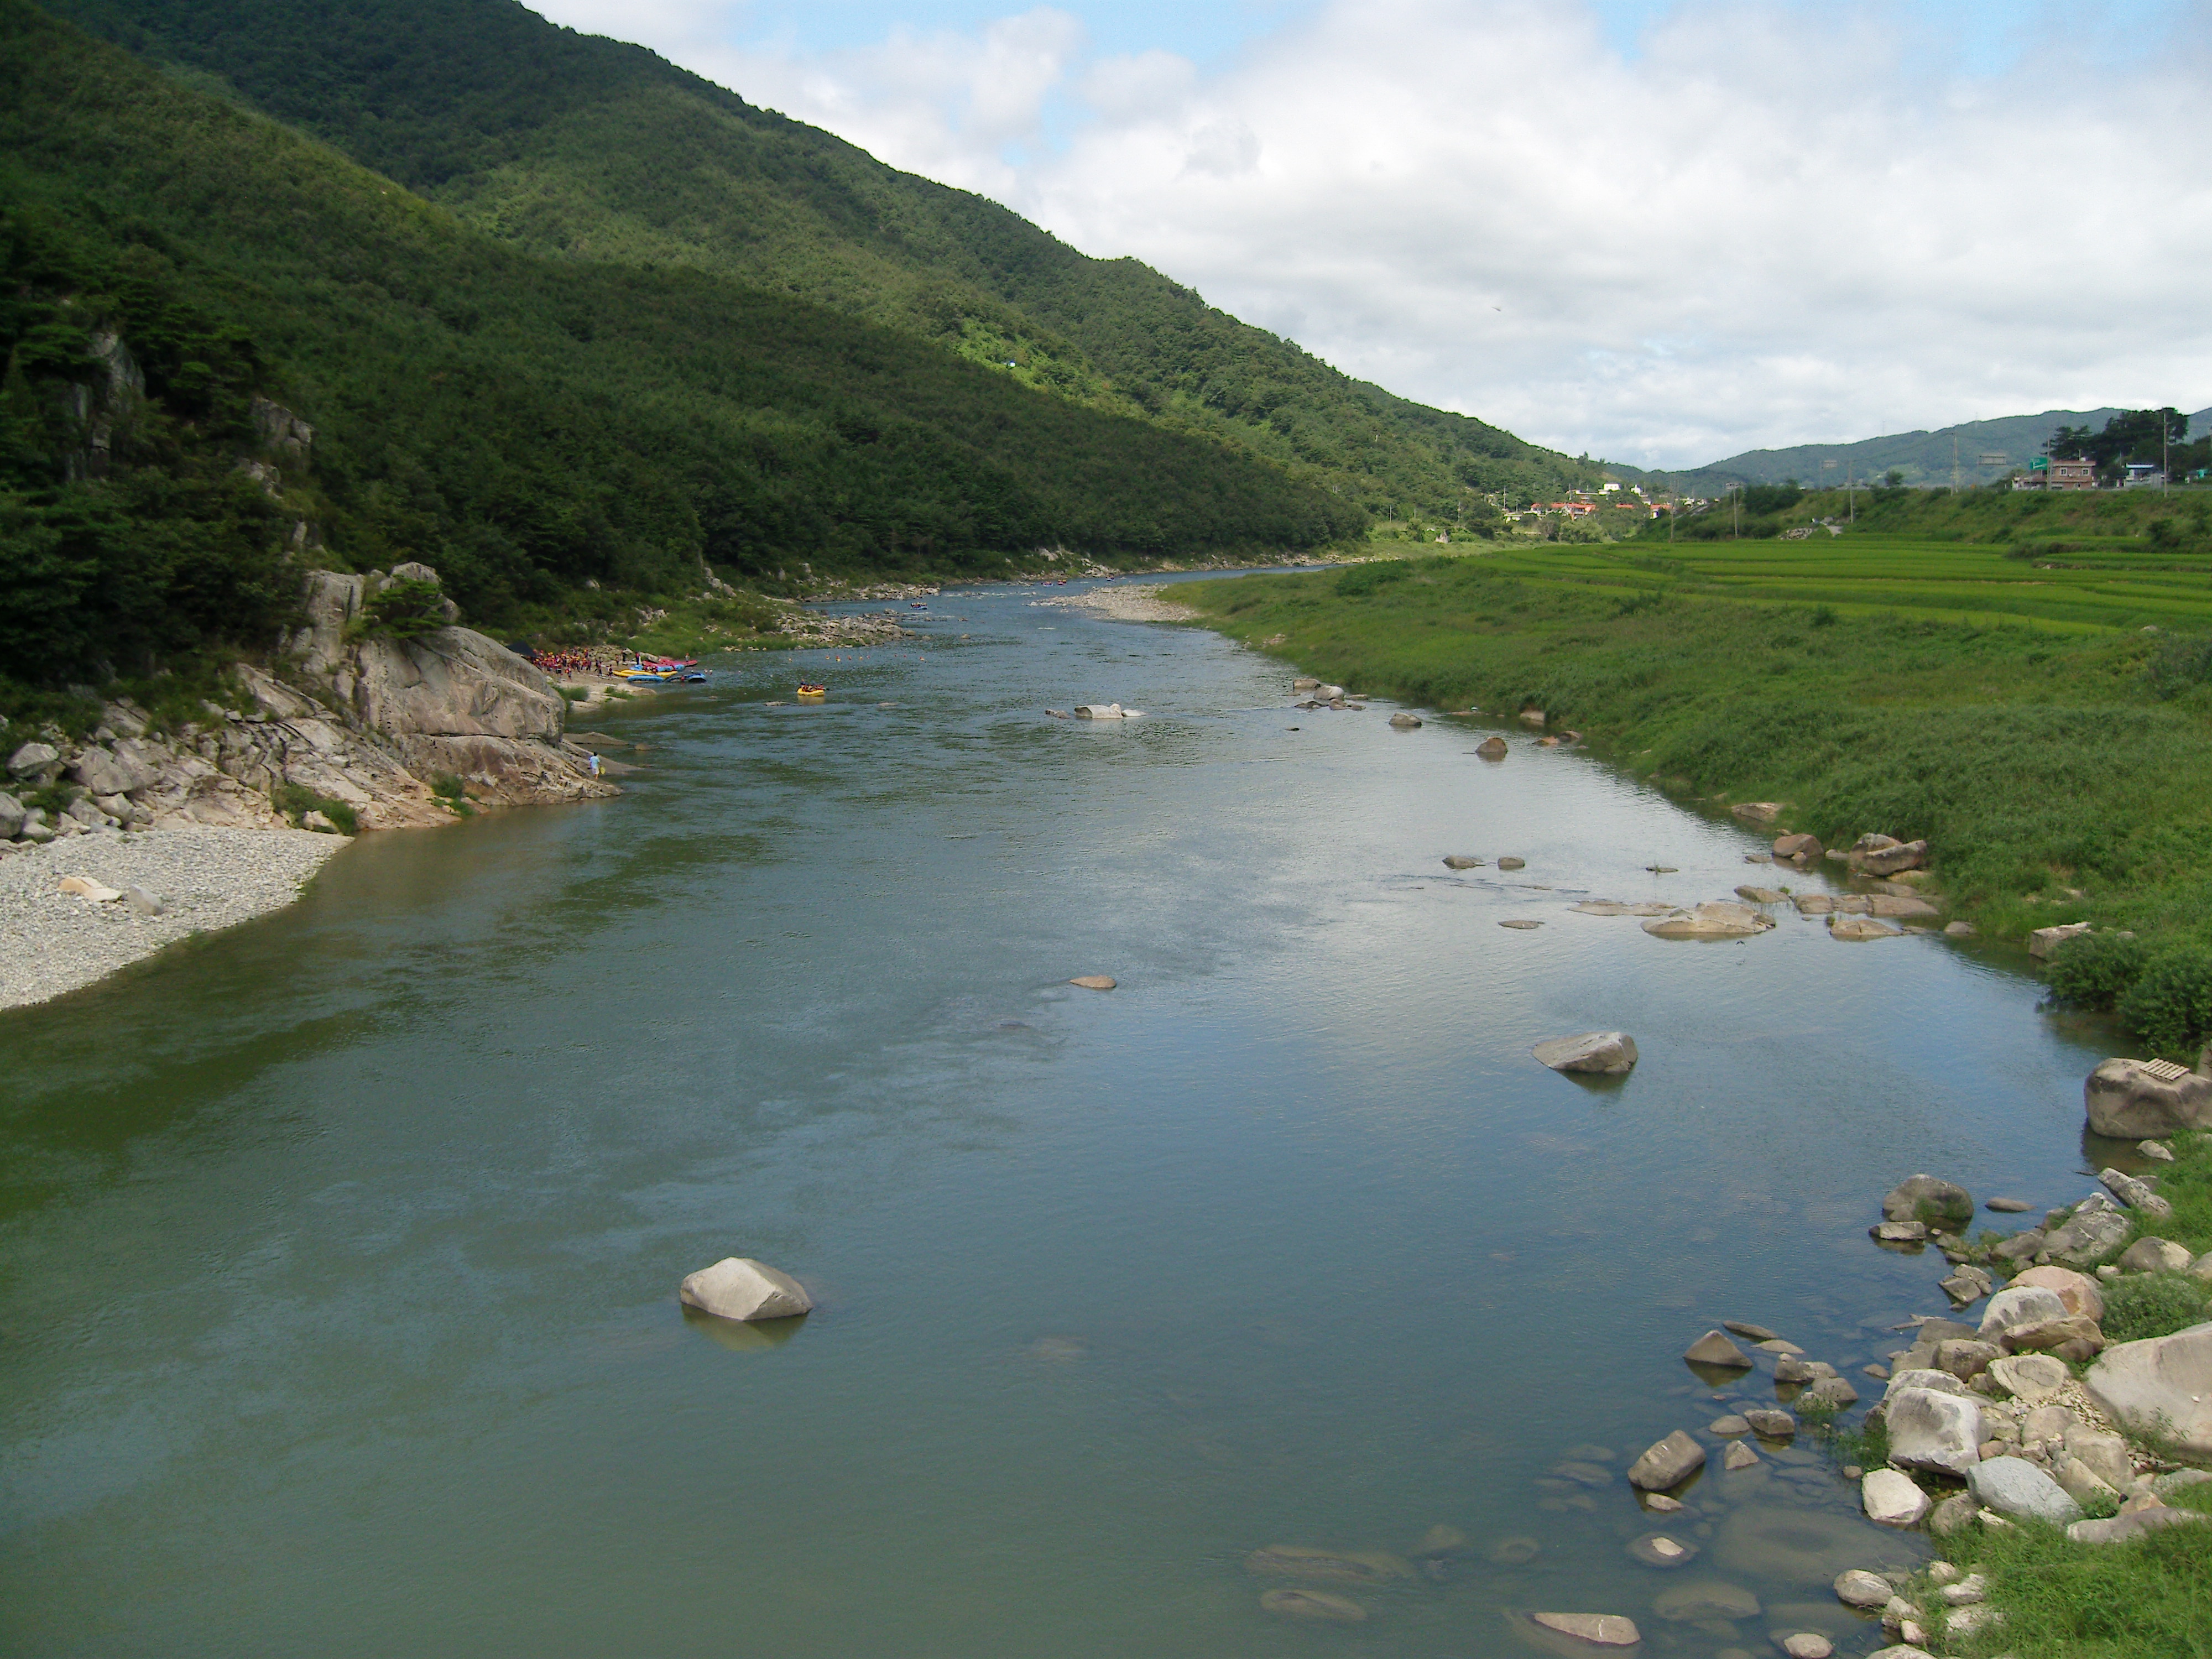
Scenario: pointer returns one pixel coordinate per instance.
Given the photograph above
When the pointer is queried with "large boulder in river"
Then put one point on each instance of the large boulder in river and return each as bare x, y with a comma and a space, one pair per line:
2162, 1386
1797, 849
1669, 1463
738, 1287
1721, 919
2131, 1099
1715, 1349
1491, 748
1925, 1198
1610, 1053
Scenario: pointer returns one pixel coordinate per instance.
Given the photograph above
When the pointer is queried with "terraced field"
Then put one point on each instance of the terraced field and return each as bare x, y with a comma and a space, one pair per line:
2093, 584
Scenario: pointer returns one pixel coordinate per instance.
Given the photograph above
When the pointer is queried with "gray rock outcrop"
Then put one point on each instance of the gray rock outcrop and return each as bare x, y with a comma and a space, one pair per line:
1926, 1198
2015, 1487
2161, 1386
1607, 1054
1930, 1430
1667, 1463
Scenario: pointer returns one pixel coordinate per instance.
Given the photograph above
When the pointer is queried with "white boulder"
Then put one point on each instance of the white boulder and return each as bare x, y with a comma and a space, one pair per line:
1609, 1053
738, 1287
1891, 1498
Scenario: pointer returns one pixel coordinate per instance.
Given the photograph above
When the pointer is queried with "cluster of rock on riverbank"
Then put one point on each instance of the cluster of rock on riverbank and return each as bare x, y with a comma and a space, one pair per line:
2026, 1415
370, 722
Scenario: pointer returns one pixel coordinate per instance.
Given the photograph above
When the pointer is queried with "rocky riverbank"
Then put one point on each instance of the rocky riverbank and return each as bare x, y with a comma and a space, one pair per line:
342, 730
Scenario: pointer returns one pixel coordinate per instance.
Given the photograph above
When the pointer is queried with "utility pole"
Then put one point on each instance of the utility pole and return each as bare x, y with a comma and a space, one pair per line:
1736, 509
1954, 462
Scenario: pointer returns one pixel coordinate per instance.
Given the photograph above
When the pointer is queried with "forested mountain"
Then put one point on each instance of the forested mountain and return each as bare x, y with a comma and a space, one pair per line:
586, 150
181, 272
1923, 458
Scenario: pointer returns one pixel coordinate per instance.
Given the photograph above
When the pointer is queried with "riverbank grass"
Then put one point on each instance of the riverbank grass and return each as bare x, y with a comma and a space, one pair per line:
2057, 757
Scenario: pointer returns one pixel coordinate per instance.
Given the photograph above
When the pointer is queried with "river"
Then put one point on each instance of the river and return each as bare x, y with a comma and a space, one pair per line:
340, 1249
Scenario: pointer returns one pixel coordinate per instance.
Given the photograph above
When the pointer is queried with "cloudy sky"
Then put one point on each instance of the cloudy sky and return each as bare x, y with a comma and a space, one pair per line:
1657, 231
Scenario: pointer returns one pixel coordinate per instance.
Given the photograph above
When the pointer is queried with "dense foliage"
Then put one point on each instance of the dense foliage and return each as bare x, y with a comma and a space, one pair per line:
126, 533
525, 425
581, 148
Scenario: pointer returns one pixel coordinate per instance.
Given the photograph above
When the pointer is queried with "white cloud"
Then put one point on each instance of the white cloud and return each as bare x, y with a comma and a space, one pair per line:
1775, 223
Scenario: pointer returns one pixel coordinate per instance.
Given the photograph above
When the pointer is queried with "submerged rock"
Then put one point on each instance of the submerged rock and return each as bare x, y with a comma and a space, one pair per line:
1600, 1630
1463, 861
1403, 721
1861, 927
1492, 749
1312, 1604
1656, 1549
1925, 1198
1093, 981
1329, 1566
1717, 920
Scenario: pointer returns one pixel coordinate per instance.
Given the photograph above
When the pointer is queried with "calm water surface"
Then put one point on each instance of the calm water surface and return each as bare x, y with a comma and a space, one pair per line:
341, 1250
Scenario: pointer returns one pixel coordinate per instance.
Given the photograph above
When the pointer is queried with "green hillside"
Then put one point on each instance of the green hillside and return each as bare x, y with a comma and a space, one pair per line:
527, 425
582, 149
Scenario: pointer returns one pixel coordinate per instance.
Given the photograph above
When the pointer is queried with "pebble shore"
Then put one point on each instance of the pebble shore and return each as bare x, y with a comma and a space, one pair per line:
1140, 602
53, 942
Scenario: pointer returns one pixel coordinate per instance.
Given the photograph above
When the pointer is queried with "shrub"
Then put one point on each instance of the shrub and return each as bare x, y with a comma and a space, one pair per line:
2140, 1305
404, 610
2170, 1004
1362, 579
296, 803
2095, 970
2179, 664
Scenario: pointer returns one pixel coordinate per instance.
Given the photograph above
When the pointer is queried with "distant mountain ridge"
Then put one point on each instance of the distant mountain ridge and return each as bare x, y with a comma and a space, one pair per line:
1924, 457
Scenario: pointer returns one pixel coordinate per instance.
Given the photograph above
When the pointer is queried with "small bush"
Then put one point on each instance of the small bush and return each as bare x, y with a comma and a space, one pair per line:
2139, 1305
2178, 666
2170, 1004
404, 610
2095, 970
296, 803
1362, 579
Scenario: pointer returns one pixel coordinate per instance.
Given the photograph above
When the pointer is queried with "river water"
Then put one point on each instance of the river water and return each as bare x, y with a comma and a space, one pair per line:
341, 1250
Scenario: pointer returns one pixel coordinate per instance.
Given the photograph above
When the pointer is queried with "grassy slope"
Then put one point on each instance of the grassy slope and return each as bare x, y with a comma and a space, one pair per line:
2004, 713
582, 148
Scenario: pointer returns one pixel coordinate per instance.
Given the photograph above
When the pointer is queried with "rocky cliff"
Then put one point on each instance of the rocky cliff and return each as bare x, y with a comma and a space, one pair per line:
364, 721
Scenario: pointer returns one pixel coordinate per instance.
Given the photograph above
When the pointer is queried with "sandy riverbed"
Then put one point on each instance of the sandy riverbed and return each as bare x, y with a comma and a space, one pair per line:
52, 942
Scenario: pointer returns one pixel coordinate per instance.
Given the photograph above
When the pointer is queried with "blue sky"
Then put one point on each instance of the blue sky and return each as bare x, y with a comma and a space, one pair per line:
1661, 231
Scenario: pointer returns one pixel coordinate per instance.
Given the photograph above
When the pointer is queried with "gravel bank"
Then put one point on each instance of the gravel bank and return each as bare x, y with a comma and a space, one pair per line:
51, 942
1141, 603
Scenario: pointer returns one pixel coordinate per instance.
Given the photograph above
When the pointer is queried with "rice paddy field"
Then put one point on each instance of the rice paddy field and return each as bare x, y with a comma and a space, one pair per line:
2092, 584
